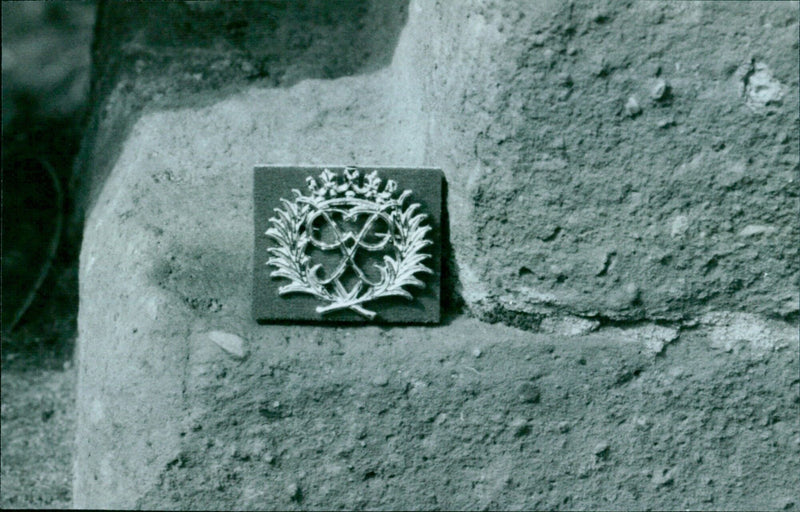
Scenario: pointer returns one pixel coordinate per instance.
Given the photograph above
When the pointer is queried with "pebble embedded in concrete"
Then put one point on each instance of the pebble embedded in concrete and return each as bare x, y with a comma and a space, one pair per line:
539, 39
558, 143
529, 393
679, 226
569, 325
272, 410
632, 293
756, 229
599, 65
665, 122
380, 380
653, 337
601, 450
632, 108
256, 449
598, 15
549, 56
604, 262
761, 88
232, 344
663, 477
520, 427
294, 492
660, 90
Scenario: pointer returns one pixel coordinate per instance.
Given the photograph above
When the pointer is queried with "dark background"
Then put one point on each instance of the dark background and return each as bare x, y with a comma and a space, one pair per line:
45, 85
46, 61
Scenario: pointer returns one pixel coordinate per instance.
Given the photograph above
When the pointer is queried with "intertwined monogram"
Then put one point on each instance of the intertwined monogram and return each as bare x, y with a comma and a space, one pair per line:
320, 220
348, 243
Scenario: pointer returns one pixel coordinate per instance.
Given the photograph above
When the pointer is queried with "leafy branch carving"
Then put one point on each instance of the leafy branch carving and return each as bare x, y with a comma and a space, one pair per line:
290, 231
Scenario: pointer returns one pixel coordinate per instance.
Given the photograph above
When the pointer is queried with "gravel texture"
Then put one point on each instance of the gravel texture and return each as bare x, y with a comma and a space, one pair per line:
38, 432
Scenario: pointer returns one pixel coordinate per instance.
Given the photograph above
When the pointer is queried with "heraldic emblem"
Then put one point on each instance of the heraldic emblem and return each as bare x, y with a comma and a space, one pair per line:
377, 242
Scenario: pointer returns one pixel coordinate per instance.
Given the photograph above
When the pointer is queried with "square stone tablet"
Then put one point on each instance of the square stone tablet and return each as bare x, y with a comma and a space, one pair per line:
347, 244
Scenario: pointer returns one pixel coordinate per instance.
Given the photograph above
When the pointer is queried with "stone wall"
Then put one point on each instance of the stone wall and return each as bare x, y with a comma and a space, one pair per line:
615, 161
627, 167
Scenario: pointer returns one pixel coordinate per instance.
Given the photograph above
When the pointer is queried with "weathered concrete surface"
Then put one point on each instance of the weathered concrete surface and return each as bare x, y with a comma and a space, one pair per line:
569, 205
169, 244
564, 200
370, 418
162, 56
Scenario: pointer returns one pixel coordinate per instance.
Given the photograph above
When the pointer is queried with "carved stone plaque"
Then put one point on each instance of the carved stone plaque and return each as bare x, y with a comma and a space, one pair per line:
347, 244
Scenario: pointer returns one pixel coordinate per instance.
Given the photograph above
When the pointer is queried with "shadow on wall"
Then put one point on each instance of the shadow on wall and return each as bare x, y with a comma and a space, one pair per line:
159, 55
278, 42
46, 60
180, 54
176, 55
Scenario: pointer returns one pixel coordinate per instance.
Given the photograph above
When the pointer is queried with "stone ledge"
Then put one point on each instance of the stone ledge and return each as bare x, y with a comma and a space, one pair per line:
170, 418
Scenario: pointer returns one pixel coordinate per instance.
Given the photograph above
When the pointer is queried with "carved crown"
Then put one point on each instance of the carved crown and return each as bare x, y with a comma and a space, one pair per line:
329, 185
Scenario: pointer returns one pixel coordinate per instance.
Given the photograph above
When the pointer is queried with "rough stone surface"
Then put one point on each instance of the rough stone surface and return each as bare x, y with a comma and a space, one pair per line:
559, 199
230, 343
565, 213
569, 200
443, 430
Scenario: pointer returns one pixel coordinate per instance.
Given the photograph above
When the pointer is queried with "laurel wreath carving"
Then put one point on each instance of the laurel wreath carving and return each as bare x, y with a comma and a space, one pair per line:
350, 196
